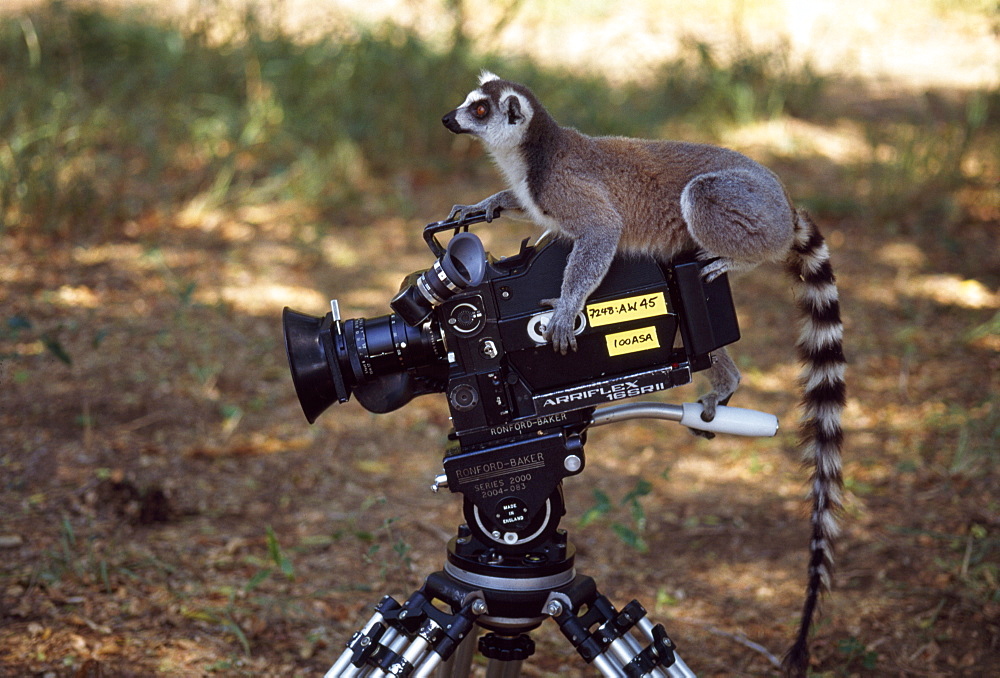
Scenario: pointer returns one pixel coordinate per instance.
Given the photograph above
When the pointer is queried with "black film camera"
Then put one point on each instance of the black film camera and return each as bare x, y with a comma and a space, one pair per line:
471, 327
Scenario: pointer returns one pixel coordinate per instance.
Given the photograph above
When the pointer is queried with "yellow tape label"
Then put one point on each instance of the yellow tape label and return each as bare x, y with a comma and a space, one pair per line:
623, 310
632, 341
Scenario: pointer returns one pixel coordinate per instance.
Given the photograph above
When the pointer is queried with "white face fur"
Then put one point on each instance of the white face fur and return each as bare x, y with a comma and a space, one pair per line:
500, 121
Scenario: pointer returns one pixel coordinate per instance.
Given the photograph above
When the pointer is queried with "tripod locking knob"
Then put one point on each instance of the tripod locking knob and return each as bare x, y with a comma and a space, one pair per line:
506, 648
440, 483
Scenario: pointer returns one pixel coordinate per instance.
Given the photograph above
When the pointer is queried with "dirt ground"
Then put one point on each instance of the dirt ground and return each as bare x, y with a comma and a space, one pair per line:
167, 509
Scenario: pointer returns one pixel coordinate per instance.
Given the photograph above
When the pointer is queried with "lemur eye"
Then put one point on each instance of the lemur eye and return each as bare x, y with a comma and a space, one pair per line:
481, 109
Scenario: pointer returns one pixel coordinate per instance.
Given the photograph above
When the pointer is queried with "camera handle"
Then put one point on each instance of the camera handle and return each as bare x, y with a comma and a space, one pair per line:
456, 225
732, 420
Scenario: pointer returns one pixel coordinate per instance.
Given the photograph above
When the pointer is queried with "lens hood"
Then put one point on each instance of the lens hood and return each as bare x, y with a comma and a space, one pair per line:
315, 370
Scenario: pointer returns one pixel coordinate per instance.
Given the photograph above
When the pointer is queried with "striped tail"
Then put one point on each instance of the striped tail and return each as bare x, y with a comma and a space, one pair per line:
820, 348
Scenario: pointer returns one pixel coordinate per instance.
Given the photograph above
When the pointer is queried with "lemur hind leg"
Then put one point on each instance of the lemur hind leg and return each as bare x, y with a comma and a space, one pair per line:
724, 378
739, 217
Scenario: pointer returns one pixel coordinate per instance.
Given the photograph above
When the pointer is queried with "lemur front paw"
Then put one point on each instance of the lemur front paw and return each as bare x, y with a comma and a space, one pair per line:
561, 326
489, 206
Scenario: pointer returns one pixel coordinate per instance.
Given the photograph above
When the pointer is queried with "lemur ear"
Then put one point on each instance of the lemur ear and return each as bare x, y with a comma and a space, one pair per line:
512, 105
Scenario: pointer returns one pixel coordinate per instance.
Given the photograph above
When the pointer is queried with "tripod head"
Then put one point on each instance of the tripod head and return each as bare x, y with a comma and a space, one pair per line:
511, 582
513, 492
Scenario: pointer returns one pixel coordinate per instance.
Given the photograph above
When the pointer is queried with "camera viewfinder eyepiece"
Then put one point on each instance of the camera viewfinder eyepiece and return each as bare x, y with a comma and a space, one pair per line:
463, 265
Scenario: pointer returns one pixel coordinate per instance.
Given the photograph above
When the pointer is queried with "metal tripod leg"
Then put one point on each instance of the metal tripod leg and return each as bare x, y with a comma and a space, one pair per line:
676, 670
432, 633
499, 669
620, 644
460, 663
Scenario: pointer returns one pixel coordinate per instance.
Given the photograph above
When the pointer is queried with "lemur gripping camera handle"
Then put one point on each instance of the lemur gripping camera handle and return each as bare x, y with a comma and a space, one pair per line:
732, 420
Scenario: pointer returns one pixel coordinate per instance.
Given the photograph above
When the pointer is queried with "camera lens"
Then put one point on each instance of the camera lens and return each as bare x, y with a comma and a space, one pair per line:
383, 361
386, 344
312, 359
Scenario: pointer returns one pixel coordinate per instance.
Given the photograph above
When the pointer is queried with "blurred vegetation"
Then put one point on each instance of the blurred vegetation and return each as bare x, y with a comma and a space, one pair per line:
107, 117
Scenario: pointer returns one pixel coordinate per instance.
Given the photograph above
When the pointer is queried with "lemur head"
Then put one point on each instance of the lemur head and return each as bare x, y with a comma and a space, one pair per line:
498, 112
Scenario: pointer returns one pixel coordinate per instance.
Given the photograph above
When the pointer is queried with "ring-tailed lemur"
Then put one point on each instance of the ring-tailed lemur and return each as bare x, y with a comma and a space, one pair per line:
611, 194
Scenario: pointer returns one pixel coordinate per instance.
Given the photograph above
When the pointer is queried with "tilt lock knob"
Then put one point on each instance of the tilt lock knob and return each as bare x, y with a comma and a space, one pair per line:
506, 648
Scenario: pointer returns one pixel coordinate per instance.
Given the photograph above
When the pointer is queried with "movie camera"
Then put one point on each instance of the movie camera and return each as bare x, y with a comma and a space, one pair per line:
471, 327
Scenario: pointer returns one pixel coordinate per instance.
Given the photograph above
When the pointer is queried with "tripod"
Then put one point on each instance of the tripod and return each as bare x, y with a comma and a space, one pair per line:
510, 582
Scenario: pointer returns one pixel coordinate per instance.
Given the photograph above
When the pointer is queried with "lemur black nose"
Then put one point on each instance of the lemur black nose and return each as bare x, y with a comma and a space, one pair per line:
451, 123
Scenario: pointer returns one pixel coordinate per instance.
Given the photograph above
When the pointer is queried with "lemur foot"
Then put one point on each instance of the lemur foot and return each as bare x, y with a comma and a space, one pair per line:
709, 403
724, 378
717, 266
559, 329
713, 269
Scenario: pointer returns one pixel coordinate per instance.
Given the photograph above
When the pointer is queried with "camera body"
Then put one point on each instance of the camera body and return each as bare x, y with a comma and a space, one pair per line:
519, 409
646, 328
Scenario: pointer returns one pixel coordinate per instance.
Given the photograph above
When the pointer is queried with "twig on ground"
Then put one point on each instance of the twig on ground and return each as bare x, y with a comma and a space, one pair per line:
739, 638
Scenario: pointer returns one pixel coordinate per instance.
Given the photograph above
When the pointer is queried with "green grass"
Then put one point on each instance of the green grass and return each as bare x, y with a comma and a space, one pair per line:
107, 117
917, 164
110, 119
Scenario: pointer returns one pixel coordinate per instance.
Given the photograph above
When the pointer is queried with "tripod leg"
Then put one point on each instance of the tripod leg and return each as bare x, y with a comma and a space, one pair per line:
414, 638
343, 666
499, 669
604, 636
676, 670
460, 663
679, 669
